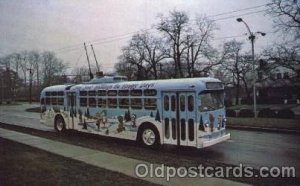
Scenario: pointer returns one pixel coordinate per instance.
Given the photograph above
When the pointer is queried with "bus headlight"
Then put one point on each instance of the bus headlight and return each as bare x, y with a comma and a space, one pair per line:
206, 124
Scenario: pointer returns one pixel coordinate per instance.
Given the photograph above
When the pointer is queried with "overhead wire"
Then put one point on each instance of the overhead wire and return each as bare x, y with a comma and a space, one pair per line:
129, 34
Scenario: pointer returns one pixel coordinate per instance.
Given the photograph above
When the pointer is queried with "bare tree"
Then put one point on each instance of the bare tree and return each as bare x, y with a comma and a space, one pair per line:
286, 15
144, 53
134, 54
24, 66
198, 45
126, 69
175, 27
154, 51
34, 59
238, 65
284, 55
81, 74
52, 66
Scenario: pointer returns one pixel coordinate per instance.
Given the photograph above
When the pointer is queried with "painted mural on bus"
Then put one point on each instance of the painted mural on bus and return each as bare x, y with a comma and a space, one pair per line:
184, 112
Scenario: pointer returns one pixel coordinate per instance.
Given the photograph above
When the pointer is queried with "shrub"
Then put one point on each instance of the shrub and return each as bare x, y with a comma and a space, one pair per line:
267, 113
286, 113
244, 113
230, 113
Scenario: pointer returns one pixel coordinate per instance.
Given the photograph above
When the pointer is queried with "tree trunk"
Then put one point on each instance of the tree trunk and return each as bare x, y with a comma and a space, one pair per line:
237, 92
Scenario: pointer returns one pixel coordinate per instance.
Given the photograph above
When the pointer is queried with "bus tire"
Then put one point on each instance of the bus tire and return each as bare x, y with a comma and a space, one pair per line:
59, 124
148, 136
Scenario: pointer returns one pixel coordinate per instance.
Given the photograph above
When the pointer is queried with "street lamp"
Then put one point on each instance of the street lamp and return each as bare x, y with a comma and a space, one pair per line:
252, 38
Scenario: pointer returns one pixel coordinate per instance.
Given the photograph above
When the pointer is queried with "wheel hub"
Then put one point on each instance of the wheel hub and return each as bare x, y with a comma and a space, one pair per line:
148, 137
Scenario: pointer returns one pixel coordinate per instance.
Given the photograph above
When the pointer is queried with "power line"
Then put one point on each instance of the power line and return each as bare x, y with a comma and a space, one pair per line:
249, 13
114, 38
239, 10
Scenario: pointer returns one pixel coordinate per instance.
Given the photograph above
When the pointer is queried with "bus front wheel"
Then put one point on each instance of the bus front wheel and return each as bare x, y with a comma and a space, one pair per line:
149, 137
59, 124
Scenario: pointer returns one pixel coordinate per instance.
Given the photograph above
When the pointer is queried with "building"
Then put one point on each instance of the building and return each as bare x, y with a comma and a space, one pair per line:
278, 84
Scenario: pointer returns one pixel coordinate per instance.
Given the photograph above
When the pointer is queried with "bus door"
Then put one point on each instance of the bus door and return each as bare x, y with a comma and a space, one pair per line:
71, 107
179, 118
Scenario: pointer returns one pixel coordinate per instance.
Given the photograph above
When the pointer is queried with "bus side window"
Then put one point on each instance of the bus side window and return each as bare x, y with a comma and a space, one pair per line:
173, 128
101, 103
123, 93
166, 103
60, 101
182, 103
173, 103
124, 103
112, 103
150, 103
92, 102
60, 93
54, 100
92, 93
136, 103
191, 129
190, 103
83, 93
136, 92
167, 128
53, 93
112, 93
101, 92
150, 92
48, 102
83, 102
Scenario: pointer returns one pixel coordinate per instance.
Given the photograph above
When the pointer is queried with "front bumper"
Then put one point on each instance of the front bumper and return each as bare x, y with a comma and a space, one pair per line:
212, 141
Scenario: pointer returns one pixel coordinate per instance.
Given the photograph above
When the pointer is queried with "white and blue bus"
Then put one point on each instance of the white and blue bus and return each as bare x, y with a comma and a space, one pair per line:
186, 112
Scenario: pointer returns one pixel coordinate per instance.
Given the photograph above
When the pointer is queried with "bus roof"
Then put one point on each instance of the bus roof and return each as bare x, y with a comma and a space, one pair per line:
56, 88
166, 84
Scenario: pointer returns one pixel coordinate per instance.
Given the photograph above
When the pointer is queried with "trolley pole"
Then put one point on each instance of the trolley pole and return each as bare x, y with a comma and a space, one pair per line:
88, 60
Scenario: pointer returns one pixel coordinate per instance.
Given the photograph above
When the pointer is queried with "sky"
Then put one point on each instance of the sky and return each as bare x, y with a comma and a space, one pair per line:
62, 26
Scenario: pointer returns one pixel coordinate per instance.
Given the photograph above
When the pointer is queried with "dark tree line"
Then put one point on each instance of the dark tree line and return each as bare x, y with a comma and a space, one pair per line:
31, 67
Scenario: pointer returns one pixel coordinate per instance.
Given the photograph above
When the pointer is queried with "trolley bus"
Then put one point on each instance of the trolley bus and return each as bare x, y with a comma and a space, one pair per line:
185, 112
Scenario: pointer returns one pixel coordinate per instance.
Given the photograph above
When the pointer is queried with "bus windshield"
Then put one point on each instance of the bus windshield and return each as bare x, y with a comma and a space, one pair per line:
211, 100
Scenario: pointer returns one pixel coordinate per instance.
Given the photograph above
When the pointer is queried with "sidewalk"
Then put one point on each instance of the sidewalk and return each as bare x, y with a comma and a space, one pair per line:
104, 160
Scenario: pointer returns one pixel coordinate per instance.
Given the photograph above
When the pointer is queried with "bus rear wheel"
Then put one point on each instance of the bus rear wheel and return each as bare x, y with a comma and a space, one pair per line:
149, 137
59, 124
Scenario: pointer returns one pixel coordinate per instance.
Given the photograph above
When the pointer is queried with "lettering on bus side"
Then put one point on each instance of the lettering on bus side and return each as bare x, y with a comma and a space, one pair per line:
147, 85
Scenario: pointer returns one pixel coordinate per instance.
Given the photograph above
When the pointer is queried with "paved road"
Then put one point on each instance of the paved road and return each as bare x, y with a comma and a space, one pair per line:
16, 114
250, 148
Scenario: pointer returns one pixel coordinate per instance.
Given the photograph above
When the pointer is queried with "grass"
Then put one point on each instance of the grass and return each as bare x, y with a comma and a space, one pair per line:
24, 165
274, 123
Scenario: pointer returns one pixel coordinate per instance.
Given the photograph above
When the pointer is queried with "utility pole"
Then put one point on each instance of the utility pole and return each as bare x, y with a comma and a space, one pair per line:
30, 84
95, 59
87, 56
